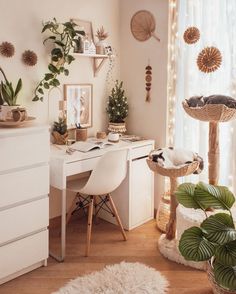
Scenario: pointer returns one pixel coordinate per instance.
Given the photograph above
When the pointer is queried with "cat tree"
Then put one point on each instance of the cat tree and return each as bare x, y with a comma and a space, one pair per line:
212, 113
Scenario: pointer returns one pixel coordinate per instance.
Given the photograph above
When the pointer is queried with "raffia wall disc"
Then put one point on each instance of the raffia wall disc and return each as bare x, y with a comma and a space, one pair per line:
191, 35
143, 25
211, 112
209, 59
185, 170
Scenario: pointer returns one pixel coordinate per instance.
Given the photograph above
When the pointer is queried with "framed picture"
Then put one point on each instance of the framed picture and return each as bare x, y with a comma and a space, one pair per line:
86, 26
78, 105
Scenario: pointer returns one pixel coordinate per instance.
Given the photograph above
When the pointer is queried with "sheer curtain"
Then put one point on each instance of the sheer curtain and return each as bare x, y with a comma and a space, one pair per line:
217, 24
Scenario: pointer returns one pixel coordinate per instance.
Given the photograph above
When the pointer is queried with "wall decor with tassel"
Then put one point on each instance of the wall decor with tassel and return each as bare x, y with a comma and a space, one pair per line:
148, 80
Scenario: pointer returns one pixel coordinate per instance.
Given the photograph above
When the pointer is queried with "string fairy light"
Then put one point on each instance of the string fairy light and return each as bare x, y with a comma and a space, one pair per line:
171, 68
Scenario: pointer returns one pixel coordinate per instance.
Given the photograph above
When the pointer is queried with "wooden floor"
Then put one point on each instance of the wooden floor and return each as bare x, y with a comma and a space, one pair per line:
107, 248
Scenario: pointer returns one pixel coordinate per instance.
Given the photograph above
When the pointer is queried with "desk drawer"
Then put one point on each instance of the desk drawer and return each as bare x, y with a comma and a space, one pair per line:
81, 166
24, 150
140, 151
23, 219
23, 185
23, 253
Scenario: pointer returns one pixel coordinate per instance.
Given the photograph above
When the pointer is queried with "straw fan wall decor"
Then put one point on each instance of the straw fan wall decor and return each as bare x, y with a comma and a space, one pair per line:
143, 26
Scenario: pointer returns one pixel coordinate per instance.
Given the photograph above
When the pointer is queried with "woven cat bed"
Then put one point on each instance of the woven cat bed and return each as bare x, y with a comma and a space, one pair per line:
211, 112
182, 171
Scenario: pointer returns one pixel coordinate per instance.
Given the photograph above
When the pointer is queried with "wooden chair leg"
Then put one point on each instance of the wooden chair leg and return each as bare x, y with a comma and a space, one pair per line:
89, 226
95, 209
117, 216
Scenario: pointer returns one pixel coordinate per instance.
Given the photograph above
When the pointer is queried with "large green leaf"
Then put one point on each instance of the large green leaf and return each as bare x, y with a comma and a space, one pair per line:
210, 196
18, 87
226, 254
219, 228
194, 246
185, 195
225, 275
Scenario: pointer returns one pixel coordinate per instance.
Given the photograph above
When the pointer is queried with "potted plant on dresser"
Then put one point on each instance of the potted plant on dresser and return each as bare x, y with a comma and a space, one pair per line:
117, 109
215, 240
8, 96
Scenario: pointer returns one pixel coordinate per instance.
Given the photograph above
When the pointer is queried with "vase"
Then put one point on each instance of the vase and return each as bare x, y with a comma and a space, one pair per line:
6, 112
100, 47
117, 127
217, 289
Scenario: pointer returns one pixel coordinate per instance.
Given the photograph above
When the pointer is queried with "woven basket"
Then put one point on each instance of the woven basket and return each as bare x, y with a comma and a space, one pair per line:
163, 213
215, 287
211, 112
182, 171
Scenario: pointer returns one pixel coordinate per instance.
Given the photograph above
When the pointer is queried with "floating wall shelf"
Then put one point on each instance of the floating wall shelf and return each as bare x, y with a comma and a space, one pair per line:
98, 60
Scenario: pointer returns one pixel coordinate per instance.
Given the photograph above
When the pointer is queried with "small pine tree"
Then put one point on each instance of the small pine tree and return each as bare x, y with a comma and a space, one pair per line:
117, 105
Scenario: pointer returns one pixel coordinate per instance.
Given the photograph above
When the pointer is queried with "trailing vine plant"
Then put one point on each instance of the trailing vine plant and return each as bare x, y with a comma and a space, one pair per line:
65, 37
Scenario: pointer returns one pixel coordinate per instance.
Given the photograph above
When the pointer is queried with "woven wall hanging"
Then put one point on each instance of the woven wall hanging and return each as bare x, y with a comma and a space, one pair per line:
7, 49
209, 59
191, 35
29, 58
148, 80
143, 25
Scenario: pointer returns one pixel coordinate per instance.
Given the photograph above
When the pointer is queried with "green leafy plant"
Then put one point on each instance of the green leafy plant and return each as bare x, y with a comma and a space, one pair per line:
117, 105
60, 126
8, 94
215, 239
65, 37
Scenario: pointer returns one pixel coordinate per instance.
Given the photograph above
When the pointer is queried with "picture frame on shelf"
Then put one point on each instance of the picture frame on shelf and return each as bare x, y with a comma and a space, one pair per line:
86, 26
79, 98
108, 50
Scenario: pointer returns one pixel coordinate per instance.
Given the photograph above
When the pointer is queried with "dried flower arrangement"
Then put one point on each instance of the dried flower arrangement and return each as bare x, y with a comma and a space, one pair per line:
101, 34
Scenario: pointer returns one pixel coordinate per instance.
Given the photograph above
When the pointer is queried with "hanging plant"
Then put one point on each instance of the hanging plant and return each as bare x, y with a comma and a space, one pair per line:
209, 59
191, 35
63, 36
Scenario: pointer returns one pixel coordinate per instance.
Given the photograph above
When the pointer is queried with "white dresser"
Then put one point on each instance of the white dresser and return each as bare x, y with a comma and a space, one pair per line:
24, 209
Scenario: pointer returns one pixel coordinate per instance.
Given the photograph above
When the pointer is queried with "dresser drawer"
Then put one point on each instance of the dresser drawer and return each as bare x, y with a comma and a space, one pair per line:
23, 253
24, 150
23, 185
23, 219
138, 152
80, 166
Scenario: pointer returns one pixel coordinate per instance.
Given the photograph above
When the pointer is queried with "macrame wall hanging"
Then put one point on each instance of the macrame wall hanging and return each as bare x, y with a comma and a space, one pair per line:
143, 26
148, 79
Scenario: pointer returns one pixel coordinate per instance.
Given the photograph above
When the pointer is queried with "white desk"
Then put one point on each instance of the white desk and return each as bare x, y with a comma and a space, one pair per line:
134, 198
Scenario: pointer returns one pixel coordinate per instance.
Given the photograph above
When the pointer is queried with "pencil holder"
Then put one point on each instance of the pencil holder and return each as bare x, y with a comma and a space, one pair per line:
81, 134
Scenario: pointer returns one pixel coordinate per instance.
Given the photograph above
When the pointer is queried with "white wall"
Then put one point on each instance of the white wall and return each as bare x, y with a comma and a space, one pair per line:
21, 24
146, 119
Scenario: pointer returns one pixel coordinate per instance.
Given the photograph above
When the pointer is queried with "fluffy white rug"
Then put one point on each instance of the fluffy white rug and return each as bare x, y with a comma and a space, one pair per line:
123, 278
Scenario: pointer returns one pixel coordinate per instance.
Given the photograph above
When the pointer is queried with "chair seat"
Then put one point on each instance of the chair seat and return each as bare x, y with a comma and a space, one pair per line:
77, 184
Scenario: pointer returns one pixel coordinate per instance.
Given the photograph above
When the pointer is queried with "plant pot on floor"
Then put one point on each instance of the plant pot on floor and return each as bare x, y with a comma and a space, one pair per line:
217, 289
117, 127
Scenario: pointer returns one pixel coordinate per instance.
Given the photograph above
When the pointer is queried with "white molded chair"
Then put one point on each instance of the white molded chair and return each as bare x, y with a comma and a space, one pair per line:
107, 175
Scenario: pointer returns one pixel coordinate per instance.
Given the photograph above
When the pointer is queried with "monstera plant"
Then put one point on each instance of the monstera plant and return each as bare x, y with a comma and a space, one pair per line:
64, 37
215, 239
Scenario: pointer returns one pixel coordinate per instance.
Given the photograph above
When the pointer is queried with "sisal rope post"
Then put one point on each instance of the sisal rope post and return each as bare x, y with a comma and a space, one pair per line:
213, 153
171, 226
